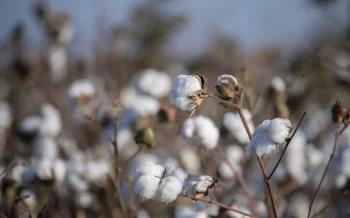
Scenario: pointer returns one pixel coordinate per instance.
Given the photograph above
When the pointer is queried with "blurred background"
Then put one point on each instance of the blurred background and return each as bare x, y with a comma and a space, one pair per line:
62, 61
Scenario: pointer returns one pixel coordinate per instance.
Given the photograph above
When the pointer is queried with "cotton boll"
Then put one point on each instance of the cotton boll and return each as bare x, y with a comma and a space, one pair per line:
225, 171
141, 213
295, 157
29, 125
57, 60
298, 205
80, 88
20, 173
146, 186
226, 78
184, 87
200, 131
234, 153
46, 147
314, 156
233, 123
185, 212
77, 183
44, 169
84, 199
124, 138
60, 170
278, 84
316, 122
279, 129
139, 161
96, 171
127, 96
168, 189
268, 135
177, 172
144, 106
5, 115
233, 214
51, 124
152, 82
151, 169
189, 160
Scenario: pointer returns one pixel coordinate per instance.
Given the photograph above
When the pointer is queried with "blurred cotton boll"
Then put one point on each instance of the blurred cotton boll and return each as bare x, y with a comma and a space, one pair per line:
29, 126
268, 135
146, 186
316, 122
152, 82
233, 123
234, 155
200, 131
50, 121
182, 92
5, 115
189, 212
127, 95
295, 159
20, 173
46, 147
57, 61
144, 106
151, 169
81, 88
84, 199
96, 171
141, 213
189, 160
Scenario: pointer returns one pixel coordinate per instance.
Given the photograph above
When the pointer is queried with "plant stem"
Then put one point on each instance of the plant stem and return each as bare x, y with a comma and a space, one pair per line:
240, 179
221, 100
333, 201
337, 135
285, 147
220, 205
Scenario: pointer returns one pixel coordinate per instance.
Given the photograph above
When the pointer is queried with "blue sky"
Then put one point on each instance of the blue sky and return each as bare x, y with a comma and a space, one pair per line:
292, 24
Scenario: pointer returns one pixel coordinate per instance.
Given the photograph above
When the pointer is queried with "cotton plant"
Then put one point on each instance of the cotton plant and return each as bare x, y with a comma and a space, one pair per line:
268, 135
153, 83
234, 155
158, 182
233, 123
227, 86
200, 131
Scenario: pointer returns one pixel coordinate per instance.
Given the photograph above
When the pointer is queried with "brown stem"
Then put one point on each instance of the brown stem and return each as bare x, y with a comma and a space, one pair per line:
240, 179
220, 205
337, 135
261, 162
285, 147
331, 202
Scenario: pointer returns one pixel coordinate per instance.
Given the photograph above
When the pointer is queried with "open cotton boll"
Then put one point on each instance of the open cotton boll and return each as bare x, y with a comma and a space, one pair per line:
84, 199
141, 213
81, 87
96, 171
77, 183
145, 106
50, 121
184, 87
233, 123
298, 205
127, 95
234, 155
57, 60
190, 160
152, 82
316, 122
185, 212
177, 172
29, 125
278, 84
5, 115
60, 170
169, 188
200, 131
151, 169
46, 147
268, 135
314, 156
146, 186
139, 161
20, 173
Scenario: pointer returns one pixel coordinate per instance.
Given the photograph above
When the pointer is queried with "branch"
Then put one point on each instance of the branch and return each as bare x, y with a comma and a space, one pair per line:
337, 135
285, 147
240, 179
331, 202
220, 205
221, 100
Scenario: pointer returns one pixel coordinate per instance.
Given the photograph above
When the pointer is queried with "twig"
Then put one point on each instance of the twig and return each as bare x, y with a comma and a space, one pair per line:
221, 100
240, 179
337, 135
260, 160
331, 202
285, 147
220, 205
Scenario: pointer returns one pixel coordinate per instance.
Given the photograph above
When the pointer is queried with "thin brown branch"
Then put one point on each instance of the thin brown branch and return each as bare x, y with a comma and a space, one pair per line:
221, 100
285, 147
241, 181
331, 202
337, 135
220, 205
